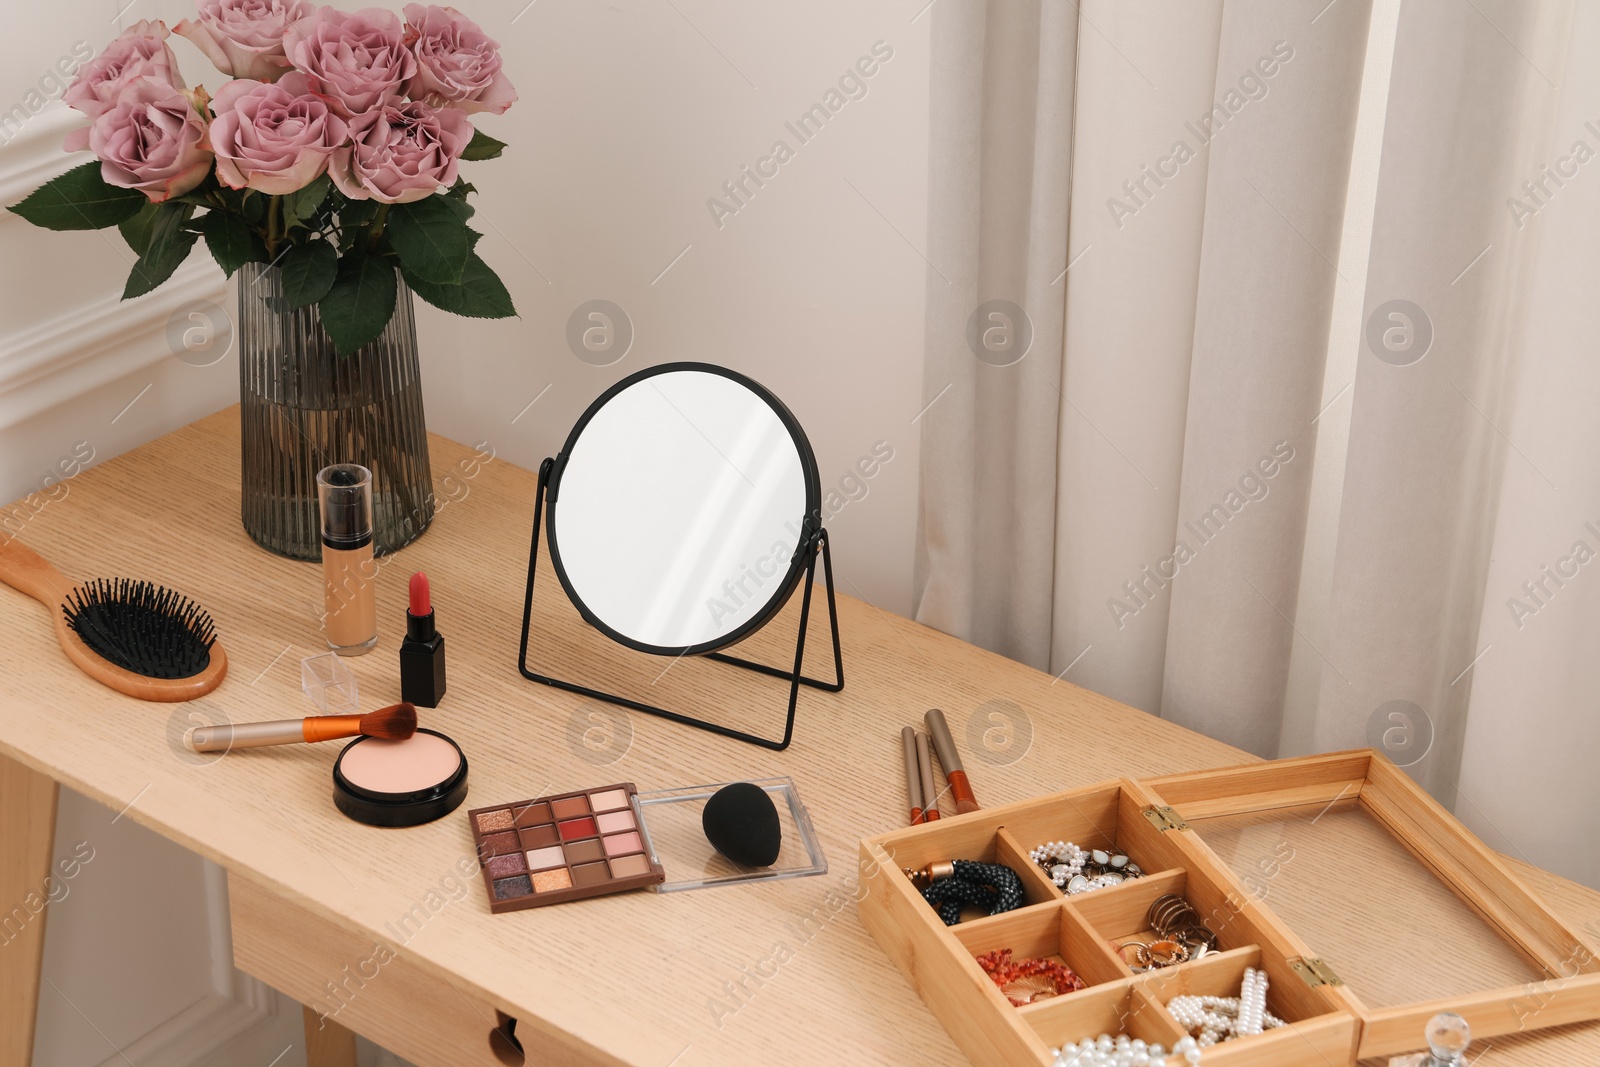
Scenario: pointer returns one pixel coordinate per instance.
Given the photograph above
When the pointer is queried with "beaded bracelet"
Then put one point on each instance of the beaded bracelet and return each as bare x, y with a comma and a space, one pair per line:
951, 886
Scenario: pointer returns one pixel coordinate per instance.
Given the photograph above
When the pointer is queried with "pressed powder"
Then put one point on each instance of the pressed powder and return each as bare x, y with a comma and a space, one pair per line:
410, 782
422, 760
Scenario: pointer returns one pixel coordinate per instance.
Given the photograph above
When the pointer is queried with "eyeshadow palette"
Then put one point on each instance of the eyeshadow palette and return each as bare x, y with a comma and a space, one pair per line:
564, 847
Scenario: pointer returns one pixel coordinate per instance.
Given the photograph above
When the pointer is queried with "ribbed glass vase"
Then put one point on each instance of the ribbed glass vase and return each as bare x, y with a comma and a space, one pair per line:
303, 406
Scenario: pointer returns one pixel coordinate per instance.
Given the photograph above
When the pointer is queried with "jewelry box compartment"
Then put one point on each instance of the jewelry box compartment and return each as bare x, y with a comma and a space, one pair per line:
1270, 857
1311, 1033
1082, 932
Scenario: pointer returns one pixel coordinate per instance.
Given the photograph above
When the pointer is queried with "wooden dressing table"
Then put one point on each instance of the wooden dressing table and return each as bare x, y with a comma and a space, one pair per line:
343, 916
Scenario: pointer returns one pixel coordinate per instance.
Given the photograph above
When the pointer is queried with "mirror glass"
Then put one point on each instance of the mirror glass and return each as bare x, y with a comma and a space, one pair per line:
675, 521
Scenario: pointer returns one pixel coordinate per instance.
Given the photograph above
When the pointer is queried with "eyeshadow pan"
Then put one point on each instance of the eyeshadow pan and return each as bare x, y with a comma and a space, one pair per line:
585, 851
614, 822
590, 874
500, 844
510, 888
539, 837
576, 828
494, 820
629, 866
549, 881
545, 857
620, 844
570, 808
531, 815
563, 847
501, 866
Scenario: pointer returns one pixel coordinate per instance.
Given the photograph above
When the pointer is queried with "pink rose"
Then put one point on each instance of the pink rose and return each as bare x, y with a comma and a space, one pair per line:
401, 152
356, 58
273, 137
458, 65
152, 140
141, 52
244, 38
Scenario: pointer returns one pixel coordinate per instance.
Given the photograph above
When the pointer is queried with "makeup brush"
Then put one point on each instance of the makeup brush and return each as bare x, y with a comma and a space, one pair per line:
908, 741
135, 637
930, 798
393, 723
950, 760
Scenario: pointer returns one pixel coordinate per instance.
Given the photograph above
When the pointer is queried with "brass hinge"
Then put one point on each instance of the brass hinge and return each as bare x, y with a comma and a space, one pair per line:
1314, 972
1165, 818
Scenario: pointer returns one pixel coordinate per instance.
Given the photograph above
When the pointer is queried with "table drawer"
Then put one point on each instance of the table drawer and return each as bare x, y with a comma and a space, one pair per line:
400, 1006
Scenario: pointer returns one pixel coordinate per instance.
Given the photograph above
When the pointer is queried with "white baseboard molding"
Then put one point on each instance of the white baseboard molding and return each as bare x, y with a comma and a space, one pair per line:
194, 1036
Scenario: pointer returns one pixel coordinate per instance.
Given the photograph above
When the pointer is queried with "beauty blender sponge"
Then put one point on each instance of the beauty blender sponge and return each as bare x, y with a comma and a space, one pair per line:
741, 822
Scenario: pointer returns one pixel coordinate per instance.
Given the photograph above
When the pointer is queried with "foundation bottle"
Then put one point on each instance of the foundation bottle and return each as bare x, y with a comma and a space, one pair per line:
344, 496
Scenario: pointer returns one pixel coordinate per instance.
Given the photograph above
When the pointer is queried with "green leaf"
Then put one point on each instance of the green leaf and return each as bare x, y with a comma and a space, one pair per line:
170, 242
231, 240
482, 146
354, 213
301, 204
360, 303
308, 272
430, 237
481, 294
80, 200
255, 207
136, 228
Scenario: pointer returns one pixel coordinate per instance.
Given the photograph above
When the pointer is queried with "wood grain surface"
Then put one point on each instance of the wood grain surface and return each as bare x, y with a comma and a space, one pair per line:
720, 976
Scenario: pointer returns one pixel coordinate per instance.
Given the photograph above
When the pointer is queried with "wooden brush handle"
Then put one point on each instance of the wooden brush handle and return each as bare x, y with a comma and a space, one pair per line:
264, 734
28, 572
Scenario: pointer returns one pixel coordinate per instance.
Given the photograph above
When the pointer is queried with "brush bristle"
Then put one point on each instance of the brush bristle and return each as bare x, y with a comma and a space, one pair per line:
394, 723
142, 627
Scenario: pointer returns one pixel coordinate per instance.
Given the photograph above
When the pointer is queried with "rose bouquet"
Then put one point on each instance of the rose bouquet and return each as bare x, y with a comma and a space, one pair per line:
333, 154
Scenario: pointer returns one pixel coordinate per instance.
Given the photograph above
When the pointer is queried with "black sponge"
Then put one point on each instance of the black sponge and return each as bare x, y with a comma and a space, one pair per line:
742, 824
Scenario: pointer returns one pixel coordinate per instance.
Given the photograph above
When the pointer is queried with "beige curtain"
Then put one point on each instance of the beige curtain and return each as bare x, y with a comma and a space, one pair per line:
1302, 452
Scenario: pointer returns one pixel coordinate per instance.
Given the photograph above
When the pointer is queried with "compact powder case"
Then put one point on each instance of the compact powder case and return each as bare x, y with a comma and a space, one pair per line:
564, 847
400, 783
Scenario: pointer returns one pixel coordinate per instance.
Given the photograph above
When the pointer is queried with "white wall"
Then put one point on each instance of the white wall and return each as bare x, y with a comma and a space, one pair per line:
629, 121
633, 114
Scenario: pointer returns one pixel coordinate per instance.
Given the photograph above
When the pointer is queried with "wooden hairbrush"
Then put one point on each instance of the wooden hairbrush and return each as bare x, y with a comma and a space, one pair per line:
135, 637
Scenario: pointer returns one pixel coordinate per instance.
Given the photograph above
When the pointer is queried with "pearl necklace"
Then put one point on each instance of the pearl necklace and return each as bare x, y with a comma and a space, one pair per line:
1213, 1019
1123, 1051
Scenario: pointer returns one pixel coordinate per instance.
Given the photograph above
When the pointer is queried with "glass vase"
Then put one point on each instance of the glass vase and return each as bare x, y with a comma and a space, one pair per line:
303, 406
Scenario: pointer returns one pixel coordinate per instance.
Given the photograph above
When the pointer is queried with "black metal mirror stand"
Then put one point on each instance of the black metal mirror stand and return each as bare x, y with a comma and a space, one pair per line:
816, 544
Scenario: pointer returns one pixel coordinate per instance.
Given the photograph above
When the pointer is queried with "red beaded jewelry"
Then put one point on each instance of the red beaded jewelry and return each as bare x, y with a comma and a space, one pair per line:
1027, 980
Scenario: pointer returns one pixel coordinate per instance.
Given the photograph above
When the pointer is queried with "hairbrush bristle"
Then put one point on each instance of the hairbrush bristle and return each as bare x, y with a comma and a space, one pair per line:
394, 723
142, 627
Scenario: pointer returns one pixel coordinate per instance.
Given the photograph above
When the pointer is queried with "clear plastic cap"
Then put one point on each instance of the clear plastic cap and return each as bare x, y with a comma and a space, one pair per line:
344, 494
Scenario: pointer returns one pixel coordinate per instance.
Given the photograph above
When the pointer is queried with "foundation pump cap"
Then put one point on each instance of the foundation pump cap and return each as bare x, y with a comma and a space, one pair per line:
344, 492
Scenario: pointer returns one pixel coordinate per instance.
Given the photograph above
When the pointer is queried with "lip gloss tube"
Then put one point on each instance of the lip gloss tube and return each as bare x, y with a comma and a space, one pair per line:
344, 495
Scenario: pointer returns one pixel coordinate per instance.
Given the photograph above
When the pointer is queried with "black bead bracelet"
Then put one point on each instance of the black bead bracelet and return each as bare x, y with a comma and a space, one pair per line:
993, 887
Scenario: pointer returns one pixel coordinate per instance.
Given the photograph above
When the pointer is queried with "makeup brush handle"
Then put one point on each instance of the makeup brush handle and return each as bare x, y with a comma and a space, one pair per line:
284, 731
961, 789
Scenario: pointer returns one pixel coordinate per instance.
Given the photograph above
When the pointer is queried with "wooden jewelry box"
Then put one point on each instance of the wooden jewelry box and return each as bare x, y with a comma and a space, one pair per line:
1367, 904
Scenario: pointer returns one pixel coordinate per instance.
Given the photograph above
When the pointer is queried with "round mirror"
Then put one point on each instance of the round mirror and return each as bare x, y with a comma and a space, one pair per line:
678, 506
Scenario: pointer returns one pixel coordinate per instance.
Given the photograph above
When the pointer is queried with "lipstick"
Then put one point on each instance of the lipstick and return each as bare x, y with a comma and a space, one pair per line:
422, 651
